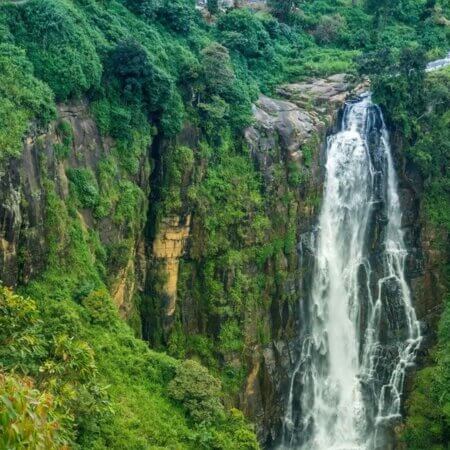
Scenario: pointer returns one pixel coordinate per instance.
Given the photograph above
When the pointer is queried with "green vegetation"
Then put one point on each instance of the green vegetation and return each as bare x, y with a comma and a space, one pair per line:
89, 382
428, 423
22, 99
84, 187
148, 60
165, 85
27, 415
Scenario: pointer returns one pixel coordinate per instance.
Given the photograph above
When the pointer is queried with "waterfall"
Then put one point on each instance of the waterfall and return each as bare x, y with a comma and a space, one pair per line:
359, 330
438, 64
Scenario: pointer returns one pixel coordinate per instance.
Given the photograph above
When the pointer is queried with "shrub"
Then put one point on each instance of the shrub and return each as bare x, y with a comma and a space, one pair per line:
100, 308
138, 90
231, 339
179, 162
178, 15
213, 6
283, 9
22, 98
139, 79
28, 417
240, 30
330, 28
84, 186
225, 99
197, 390
21, 340
147, 8
65, 132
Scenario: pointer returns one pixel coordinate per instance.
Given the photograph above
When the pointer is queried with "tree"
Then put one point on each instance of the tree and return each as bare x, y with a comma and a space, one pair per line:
218, 75
407, 11
283, 9
177, 14
197, 390
140, 80
213, 6
330, 28
220, 92
240, 30
397, 83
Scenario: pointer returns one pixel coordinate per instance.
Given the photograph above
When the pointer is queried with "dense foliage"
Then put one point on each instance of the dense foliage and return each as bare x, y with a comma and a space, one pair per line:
429, 406
73, 375
82, 377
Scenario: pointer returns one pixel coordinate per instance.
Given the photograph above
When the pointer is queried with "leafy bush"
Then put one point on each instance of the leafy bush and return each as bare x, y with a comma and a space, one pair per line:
21, 341
230, 337
147, 8
197, 390
225, 100
84, 186
179, 163
137, 84
28, 417
213, 6
139, 79
100, 308
178, 15
240, 30
330, 29
65, 133
22, 99
284, 9
397, 83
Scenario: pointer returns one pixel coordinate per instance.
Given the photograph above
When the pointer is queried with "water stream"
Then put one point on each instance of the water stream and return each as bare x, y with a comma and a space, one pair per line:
359, 330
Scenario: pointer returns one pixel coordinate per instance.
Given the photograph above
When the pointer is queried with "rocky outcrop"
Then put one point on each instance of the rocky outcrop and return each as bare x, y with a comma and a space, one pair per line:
280, 121
328, 94
225, 4
168, 247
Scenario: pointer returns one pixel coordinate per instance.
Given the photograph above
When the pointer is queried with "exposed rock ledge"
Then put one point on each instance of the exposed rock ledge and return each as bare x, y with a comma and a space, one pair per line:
305, 109
168, 247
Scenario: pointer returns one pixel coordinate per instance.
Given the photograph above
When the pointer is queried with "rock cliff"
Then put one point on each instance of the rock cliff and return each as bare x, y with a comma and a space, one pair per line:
165, 278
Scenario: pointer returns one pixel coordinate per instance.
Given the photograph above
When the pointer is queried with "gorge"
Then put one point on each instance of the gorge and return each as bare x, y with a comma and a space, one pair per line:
212, 236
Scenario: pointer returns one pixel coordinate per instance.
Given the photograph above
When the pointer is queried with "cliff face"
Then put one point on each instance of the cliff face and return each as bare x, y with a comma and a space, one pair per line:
68, 168
237, 308
31, 184
233, 302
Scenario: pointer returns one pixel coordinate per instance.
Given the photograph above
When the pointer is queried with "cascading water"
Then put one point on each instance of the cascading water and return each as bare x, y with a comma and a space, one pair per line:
359, 330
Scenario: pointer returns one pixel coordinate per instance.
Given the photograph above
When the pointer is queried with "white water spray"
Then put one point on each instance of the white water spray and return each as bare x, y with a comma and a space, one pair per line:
360, 332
